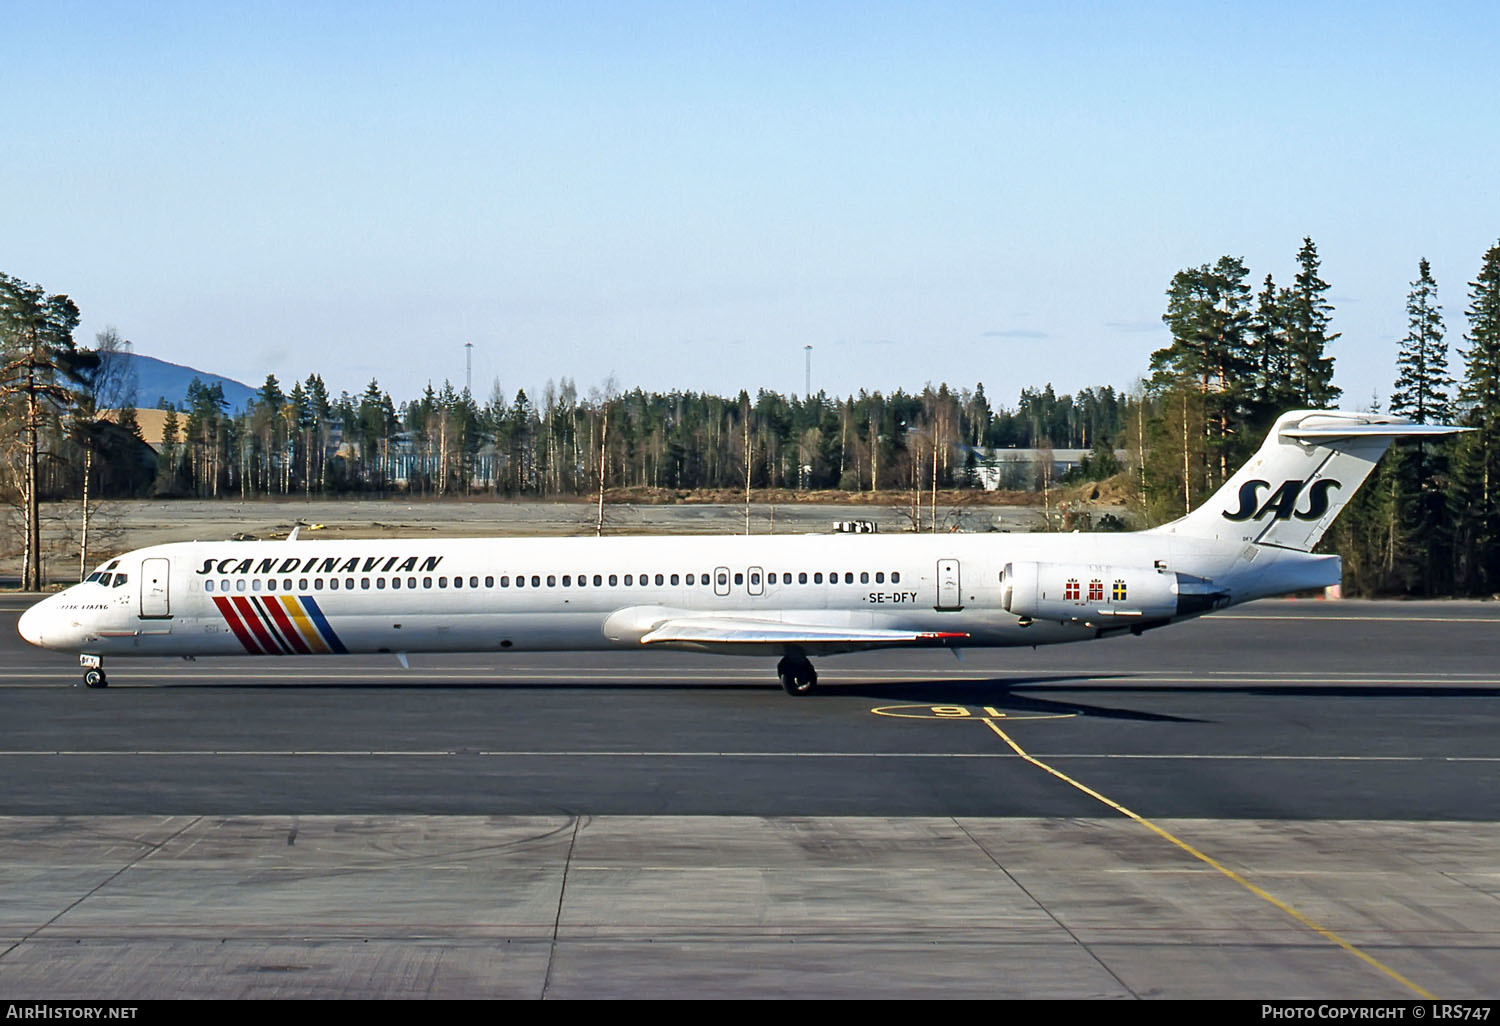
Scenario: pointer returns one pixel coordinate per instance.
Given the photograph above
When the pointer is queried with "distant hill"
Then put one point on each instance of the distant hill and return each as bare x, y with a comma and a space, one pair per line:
156, 379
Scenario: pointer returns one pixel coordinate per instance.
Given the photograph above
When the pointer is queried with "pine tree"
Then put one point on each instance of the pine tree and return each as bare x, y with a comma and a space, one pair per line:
1476, 491
1422, 383
1272, 363
1307, 315
169, 459
1418, 554
1208, 314
321, 411
41, 369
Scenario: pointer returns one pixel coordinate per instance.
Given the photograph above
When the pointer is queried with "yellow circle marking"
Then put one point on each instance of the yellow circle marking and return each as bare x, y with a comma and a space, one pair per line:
961, 712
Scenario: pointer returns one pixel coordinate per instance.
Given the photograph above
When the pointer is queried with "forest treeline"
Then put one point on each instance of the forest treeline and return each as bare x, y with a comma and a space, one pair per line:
1241, 351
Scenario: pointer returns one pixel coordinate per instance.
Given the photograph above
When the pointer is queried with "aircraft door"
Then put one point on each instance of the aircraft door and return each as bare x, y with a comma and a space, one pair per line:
755, 578
155, 601
949, 595
721, 581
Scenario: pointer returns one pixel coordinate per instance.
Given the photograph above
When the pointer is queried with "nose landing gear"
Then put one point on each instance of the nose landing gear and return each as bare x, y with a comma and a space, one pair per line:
93, 671
797, 675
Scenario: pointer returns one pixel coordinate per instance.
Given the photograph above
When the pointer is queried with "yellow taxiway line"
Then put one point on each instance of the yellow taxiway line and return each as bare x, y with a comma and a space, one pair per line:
1300, 917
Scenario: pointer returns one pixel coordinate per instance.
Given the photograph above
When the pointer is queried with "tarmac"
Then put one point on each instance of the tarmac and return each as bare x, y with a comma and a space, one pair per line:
1289, 799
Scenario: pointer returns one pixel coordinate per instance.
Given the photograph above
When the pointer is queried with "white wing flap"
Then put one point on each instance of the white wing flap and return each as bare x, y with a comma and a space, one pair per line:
722, 630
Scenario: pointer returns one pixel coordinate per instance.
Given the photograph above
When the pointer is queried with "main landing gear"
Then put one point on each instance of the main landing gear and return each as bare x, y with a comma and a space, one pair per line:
93, 671
797, 675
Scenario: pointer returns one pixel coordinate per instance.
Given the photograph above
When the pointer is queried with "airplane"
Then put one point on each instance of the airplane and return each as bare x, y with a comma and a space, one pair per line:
792, 596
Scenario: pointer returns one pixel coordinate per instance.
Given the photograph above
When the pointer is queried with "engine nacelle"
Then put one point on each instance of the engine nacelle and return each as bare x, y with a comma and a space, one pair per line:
1101, 595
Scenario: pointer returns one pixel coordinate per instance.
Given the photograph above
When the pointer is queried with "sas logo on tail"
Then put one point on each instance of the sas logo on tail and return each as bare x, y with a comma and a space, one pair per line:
1282, 503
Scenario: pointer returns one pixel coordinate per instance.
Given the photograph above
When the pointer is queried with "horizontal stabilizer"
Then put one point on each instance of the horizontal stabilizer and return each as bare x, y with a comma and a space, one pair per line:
1326, 432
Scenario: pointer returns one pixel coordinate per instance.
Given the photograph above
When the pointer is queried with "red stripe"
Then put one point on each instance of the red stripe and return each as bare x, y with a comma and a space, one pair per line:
234, 624
287, 630
253, 622
259, 605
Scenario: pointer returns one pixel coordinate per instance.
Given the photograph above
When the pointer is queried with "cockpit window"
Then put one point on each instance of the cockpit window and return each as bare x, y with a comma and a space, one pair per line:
93, 577
121, 579
112, 564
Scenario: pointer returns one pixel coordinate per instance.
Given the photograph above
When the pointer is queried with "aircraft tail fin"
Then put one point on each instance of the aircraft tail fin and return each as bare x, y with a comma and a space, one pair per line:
1306, 470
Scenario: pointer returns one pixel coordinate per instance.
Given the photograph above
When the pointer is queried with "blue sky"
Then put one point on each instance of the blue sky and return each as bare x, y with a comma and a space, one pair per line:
685, 195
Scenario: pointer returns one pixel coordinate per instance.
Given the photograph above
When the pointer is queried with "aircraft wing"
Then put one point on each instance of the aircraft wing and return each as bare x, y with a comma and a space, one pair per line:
733, 630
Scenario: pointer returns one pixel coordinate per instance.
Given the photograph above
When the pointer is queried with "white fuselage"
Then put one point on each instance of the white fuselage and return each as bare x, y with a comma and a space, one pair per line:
509, 594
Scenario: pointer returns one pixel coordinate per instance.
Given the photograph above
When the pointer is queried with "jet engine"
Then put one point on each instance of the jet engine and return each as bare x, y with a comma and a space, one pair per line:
1100, 595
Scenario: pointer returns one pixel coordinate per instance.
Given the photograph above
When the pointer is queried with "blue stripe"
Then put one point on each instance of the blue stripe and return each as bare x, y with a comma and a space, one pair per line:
321, 622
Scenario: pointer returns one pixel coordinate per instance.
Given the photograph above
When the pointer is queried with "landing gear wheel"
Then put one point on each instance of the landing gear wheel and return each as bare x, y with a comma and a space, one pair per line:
95, 679
797, 676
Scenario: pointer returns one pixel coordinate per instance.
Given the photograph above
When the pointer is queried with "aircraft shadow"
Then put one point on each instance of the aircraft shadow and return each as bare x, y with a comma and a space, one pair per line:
1351, 690
1001, 694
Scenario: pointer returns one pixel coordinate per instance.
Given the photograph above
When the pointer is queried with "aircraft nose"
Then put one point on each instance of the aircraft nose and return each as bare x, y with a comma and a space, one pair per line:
31, 623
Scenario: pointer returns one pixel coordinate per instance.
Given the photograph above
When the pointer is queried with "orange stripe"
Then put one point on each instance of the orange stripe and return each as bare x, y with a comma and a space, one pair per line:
304, 625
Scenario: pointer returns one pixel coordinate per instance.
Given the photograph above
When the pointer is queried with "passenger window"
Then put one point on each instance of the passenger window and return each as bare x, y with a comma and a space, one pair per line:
551, 580
567, 581
614, 579
755, 579
505, 581
473, 582
674, 579
520, 581
879, 576
364, 584
645, 580
848, 577
302, 584
864, 577
723, 579
802, 577
380, 584
348, 584
489, 582
536, 580
239, 585
207, 585
411, 582
690, 579
333, 584
317, 584
271, 584
396, 583
895, 577
660, 580
427, 582
739, 578
598, 581
458, 582
629, 579
818, 577
255, 584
